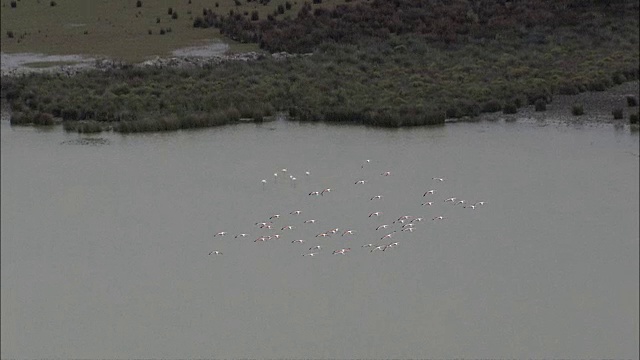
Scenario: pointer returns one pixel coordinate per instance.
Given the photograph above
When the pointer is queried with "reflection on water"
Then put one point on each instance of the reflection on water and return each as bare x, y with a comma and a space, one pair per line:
105, 249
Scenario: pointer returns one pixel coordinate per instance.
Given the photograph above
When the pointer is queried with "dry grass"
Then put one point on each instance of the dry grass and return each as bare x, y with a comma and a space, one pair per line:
117, 28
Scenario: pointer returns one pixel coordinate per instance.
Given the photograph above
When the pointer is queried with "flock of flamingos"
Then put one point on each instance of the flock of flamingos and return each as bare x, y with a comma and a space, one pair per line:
275, 227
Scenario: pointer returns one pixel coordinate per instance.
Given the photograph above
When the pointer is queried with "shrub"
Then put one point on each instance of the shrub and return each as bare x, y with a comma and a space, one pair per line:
138, 3
280, 9
317, 1
217, 4
150, 32
617, 113
174, 16
577, 110
162, 31
510, 108
237, 2
255, 16
170, 11
633, 118
14, 4
53, 3
10, 34
200, 23
541, 105
157, 20
287, 5
632, 101
20, 118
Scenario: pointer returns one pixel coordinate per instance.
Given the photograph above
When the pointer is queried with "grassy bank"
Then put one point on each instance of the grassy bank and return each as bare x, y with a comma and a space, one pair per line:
406, 78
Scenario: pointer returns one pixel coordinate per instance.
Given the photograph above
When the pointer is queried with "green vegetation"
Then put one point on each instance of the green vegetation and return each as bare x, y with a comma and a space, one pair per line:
377, 63
632, 101
633, 118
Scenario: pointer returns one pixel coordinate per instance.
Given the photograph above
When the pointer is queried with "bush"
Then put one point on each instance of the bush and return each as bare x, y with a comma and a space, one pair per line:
577, 110
170, 11
633, 118
150, 32
217, 5
14, 4
510, 108
255, 16
237, 2
280, 9
287, 5
174, 16
317, 1
138, 3
20, 118
617, 113
53, 3
157, 20
632, 101
10, 34
541, 105
162, 31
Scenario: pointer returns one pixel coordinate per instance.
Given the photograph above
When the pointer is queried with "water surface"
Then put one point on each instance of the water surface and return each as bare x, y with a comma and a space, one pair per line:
105, 243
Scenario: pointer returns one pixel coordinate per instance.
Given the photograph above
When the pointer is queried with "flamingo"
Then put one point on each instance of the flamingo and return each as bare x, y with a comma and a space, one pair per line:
276, 216
383, 226
439, 217
293, 181
310, 221
379, 247
215, 252
295, 212
428, 203
430, 192
333, 231
472, 207
221, 233
451, 199
348, 232
264, 183
365, 162
461, 202
310, 254
377, 213
268, 226
288, 227
361, 182
241, 235
367, 245
437, 179
276, 236
408, 229
390, 246
316, 193
307, 173
261, 238
325, 191
418, 219
386, 173
297, 241
323, 235
376, 197
479, 203
388, 235
342, 251
275, 177
317, 247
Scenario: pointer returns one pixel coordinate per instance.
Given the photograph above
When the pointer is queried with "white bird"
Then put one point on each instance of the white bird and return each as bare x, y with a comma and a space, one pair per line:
383, 226
376, 197
361, 182
215, 252
377, 213
418, 219
479, 203
408, 229
342, 251
293, 181
307, 173
428, 203
276, 216
379, 247
323, 235
264, 183
461, 202
437, 179
386, 173
325, 191
365, 162
284, 170
297, 241
429, 192
261, 238
408, 225
348, 232
451, 199
392, 245
241, 235
367, 245
288, 227
388, 235
221, 233
317, 247
316, 193
310, 221
295, 212
310, 254
439, 218
472, 207
276, 236
275, 177
333, 231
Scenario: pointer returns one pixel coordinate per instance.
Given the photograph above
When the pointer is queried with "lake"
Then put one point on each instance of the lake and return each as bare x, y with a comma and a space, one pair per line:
106, 239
